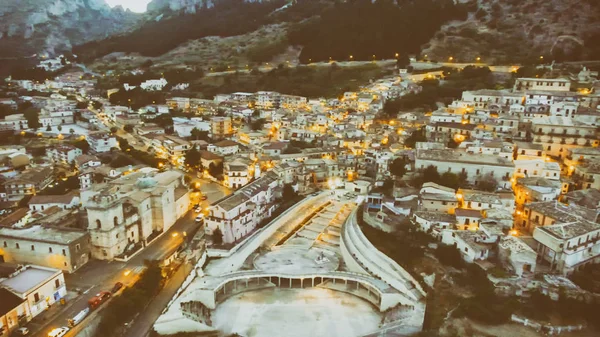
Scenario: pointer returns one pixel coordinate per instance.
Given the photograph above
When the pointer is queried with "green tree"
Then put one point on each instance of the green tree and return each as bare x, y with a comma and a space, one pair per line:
81, 105
192, 157
123, 144
450, 179
431, 174
83, 145
97, 105
48, 128
198, 134
257, 124
488, 183
72, 131
398, 167
59, 128
288, 193
416, 136
217, 237
33, 117
128, 128
215, 170
114, 129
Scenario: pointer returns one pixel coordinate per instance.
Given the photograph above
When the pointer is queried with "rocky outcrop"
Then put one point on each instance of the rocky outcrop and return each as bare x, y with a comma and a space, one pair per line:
53, 26
187, 6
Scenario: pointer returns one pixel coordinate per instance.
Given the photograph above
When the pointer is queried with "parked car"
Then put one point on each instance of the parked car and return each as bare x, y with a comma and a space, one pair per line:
198, 209
58, 332
79, 317
203, 197
99, 299
199, 218
117, 287
23, 331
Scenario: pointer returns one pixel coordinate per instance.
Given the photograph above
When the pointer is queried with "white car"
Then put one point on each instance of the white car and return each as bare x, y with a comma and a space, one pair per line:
199, 218
58, 332
22, 331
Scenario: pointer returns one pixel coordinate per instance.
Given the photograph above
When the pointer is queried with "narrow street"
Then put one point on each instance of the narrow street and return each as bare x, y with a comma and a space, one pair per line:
98, 276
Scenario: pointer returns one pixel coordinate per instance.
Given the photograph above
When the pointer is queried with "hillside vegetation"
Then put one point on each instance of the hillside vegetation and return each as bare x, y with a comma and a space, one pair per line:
226, 18
369, 30
521, 31
235, 33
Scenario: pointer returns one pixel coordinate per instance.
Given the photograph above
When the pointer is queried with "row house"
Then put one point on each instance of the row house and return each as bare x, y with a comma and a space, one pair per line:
65, 154
238, 214
533, 189
482, 99
548, 84
568, 246
481, 200
476, 166
224, 148
559, 134
221, 127
239, 172
537, 168
101, 142
29, 182
171, 148
66, 249
26, 292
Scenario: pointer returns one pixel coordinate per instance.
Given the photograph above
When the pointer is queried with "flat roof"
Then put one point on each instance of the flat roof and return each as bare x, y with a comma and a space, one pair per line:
28, 279
458, 156
43, 234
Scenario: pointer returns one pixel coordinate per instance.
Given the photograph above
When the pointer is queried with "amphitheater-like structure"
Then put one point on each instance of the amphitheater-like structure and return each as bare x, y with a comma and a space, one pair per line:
345, 262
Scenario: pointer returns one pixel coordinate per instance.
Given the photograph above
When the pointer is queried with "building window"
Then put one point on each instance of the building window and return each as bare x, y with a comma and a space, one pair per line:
116, 221
49, 249
17, 245
64, 252
5, 244
57, 283
32, 248
36, 297
98, 224
77, 247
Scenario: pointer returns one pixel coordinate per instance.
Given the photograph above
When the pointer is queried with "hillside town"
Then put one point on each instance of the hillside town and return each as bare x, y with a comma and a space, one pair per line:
89, 189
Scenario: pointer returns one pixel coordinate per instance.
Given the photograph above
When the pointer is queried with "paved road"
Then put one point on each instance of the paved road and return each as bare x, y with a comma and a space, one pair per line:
146, 319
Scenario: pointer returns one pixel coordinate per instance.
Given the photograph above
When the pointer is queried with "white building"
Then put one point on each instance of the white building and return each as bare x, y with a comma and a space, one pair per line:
63, 154
473, 245
43, 202
547, 84
224, 148
101, 142
238, 214
60, 248
154, 85
124, 213
476, 166
40, 287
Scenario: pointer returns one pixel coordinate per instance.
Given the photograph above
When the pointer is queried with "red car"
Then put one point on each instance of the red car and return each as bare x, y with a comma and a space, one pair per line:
99, 299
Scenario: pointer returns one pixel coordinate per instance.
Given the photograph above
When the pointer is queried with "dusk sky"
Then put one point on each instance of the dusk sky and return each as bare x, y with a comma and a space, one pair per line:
138, 6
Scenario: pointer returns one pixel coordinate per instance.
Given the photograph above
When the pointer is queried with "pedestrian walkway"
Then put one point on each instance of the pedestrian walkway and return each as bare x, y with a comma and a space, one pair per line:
40, 321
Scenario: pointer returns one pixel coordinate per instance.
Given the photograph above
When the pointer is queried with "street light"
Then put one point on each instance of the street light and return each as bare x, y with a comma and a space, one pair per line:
478, 59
